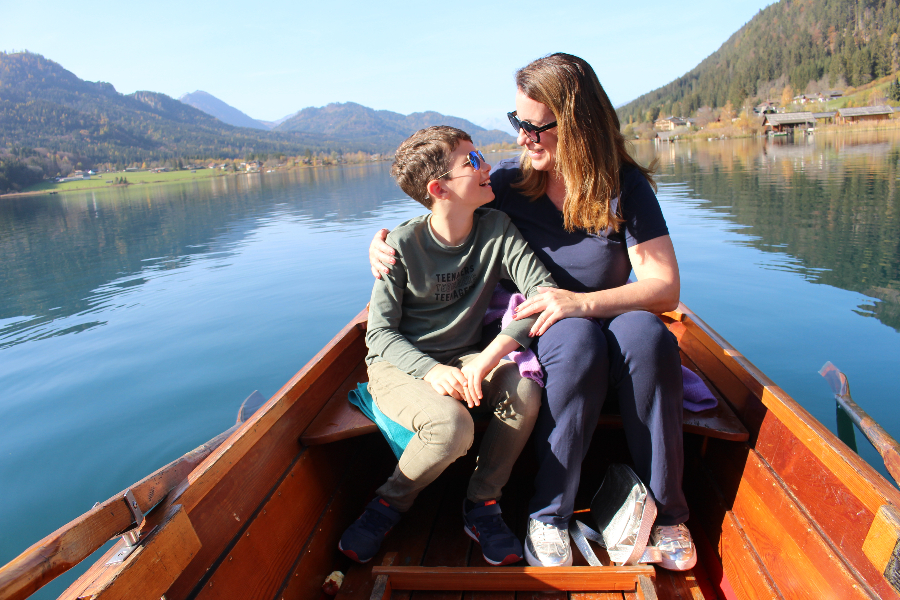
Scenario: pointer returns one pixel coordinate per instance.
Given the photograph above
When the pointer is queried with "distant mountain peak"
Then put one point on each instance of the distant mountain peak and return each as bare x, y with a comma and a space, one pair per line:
217, 108
352, 120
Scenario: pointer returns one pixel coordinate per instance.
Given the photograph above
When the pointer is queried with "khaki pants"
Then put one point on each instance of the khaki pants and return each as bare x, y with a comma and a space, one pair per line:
443, 428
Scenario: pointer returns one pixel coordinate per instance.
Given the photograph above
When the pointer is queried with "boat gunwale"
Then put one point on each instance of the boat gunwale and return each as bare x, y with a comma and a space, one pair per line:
791, 414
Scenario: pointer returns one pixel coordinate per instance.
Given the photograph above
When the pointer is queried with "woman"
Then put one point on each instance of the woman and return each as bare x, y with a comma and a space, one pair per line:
590, 214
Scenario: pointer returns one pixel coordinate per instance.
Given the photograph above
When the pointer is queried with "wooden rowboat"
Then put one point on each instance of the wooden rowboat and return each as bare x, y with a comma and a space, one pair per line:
780, 508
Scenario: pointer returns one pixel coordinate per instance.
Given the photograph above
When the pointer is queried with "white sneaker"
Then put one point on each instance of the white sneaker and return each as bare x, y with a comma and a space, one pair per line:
547, 545
675, 545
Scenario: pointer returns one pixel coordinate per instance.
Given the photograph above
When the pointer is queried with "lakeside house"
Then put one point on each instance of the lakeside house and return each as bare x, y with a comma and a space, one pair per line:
76, 176
665, 136
780, 122
669, 123
846, 116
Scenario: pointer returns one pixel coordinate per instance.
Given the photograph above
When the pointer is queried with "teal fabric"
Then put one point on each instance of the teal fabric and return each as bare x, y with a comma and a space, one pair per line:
396, 435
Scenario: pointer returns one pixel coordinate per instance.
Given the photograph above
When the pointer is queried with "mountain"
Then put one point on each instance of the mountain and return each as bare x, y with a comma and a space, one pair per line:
218, 109
42, 105
801, 43
349, 120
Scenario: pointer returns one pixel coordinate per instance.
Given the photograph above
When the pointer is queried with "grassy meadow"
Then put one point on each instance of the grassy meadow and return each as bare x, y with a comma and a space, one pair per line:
133, 177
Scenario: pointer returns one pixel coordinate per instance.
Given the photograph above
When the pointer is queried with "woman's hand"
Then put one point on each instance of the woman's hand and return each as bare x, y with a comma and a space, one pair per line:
447, 381
552, 304
380, 254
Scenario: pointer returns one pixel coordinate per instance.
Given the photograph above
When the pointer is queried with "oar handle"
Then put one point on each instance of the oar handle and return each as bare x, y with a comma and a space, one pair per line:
886, 445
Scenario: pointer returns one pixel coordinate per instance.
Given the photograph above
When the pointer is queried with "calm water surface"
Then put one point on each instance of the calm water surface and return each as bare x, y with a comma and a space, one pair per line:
134, 321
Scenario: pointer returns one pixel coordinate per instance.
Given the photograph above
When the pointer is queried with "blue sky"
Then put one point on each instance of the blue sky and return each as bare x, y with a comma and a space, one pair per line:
458, 58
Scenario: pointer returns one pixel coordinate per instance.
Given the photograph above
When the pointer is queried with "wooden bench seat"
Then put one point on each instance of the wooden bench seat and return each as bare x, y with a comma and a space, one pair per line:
340, 420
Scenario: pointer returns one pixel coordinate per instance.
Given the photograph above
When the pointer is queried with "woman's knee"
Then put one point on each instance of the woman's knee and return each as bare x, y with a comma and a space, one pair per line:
575, 344
643, 333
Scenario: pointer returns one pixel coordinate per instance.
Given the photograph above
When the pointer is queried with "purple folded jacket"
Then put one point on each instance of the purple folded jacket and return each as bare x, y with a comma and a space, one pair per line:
697, 396
501, 307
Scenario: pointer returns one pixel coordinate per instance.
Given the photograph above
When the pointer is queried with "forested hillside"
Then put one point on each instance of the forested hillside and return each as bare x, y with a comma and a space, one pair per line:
52, 122
791, 43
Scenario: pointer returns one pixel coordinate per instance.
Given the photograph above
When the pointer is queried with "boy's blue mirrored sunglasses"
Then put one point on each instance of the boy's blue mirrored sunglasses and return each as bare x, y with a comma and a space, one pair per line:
532, 131
474, 158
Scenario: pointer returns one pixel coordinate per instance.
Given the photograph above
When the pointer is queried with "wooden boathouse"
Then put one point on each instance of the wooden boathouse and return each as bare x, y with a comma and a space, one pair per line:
780, 122
860, 114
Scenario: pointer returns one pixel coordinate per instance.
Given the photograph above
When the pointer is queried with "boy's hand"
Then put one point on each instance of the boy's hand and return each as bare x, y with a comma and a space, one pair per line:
447, 381
475, 372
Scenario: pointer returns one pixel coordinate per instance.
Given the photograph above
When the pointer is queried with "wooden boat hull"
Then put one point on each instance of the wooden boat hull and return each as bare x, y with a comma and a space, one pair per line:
789, 513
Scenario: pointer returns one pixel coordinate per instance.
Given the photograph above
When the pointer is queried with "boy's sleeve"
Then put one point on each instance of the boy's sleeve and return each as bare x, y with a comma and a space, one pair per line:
528, 273
383, 335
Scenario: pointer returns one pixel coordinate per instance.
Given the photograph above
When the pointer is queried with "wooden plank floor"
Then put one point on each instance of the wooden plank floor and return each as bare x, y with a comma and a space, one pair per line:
431, 533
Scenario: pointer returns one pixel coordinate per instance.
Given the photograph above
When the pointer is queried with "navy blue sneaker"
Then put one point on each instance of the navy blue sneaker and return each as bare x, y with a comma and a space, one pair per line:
363, 538
485, 525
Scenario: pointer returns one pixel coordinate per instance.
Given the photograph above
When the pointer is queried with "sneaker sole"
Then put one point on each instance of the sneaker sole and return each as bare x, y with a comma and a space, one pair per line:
672, 565
534, 562
512, 558
351, 554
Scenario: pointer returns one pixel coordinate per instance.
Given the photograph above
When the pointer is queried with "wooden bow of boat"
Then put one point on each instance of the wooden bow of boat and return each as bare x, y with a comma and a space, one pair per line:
780, 508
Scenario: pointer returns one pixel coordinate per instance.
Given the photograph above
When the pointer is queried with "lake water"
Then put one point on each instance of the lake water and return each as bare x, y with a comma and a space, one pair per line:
133, 322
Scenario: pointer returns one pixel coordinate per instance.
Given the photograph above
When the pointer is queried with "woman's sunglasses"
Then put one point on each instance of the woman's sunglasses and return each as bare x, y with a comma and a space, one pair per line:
474, 158
533, 132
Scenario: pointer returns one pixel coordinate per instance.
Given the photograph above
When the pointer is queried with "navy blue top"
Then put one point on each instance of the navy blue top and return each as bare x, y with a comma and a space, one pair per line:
580, 261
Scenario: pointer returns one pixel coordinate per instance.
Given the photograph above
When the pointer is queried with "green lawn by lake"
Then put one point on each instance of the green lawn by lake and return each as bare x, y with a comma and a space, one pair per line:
133, 177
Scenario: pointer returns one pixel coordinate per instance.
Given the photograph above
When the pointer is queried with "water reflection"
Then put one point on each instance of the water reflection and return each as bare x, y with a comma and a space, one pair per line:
831, 203
74, 255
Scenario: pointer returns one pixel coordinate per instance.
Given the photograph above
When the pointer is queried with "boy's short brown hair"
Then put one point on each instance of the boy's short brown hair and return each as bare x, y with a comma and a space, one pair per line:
424, 156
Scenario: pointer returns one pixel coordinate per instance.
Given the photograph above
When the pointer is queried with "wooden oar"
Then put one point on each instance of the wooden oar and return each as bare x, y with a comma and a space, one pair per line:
78, 539
886, 446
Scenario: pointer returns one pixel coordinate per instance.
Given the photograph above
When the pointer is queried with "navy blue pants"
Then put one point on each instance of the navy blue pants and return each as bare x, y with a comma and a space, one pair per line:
634, 357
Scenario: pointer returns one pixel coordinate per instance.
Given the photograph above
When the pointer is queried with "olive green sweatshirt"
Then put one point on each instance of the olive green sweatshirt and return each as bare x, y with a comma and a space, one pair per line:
430, 307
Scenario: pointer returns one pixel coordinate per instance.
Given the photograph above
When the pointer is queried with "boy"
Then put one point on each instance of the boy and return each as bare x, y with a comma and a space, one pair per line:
425, 322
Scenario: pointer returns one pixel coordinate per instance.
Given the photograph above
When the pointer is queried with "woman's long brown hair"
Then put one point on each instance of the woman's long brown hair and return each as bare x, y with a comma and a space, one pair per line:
591, 149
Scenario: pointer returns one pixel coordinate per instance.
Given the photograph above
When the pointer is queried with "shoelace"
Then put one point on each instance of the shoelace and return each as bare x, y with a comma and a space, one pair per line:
672, 537
491, 525
546, 542
374, 521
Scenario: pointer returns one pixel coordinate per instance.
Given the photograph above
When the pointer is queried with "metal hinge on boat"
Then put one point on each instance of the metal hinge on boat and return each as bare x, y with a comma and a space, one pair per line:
132, 536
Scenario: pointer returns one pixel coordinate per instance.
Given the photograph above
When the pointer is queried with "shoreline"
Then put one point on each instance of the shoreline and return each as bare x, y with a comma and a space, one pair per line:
182, 176
826, 128
188, 177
